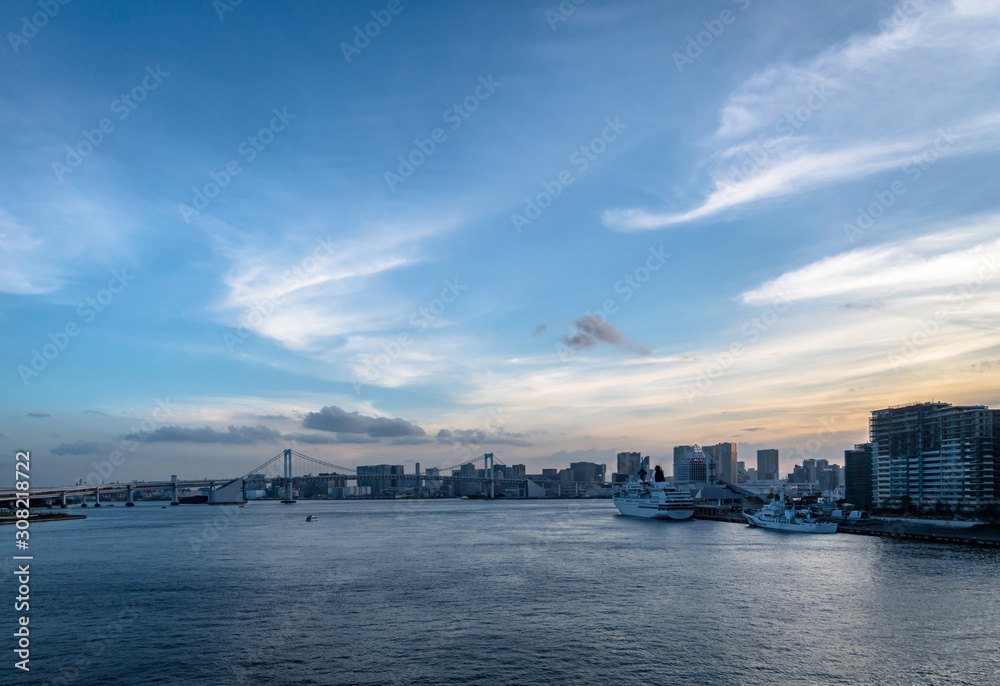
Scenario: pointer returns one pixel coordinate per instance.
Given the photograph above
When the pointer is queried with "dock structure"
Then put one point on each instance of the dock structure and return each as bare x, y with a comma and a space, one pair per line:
914, 531
981, 536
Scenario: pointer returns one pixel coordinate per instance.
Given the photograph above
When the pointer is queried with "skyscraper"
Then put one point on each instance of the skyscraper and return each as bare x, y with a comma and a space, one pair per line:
690, 464
388, 485
858, 475
587, 471
767, 464
628, 464
936, 455
724, 455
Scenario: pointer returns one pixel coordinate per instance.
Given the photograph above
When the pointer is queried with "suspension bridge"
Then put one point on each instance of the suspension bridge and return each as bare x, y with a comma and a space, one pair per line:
291, 473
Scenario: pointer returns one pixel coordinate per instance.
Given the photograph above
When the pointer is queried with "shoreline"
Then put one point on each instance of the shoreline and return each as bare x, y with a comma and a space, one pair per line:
42, 517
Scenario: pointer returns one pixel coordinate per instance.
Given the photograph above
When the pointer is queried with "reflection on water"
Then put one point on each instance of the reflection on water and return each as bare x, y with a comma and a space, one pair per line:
431, 592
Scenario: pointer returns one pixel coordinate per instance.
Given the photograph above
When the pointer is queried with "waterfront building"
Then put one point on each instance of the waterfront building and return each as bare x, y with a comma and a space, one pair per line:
797, 475
431, 481
858, 475
628, 464
388, 485
828, 478
690, 464
587, 471
810, 470
936, 456
724, 455
467, 487
767, 464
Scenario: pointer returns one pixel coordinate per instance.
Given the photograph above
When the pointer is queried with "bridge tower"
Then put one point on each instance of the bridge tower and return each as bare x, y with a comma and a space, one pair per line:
174, 499
488, 473
128, 496
288, 477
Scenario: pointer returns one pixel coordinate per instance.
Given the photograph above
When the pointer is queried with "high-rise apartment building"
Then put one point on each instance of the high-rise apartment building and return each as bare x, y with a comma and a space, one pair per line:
828, 478
858, 475
587, 471
767, 464
628, 464
390, 482
724, 455
936, 455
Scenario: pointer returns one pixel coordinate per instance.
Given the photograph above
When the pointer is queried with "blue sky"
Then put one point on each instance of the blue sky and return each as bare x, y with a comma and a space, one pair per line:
553, 234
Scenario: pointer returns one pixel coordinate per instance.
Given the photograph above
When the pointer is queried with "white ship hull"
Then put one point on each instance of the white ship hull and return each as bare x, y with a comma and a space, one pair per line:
792, 527
646, 507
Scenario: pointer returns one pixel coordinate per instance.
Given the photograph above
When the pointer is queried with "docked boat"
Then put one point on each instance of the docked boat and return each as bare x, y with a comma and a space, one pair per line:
779, 516
655, 499
311, 518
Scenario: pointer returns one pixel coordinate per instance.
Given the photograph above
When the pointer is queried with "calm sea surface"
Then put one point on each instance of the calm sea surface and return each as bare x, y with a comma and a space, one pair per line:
461, 592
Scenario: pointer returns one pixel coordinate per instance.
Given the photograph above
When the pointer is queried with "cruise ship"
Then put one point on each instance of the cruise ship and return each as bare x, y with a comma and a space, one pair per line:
778, 516
656, 499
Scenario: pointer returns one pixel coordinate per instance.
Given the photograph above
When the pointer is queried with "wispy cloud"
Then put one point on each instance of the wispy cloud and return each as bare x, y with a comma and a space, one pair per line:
863, 107
925, 264
317, 287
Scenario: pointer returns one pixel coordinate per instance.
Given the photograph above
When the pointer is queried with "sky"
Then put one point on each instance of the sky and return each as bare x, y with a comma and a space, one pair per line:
404, 231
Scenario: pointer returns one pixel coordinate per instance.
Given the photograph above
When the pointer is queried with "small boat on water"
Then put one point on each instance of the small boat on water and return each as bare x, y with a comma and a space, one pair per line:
654, 499
779, 516
311, 518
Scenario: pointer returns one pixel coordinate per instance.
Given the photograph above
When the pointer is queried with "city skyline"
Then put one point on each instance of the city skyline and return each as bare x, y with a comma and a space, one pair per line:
563, 236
